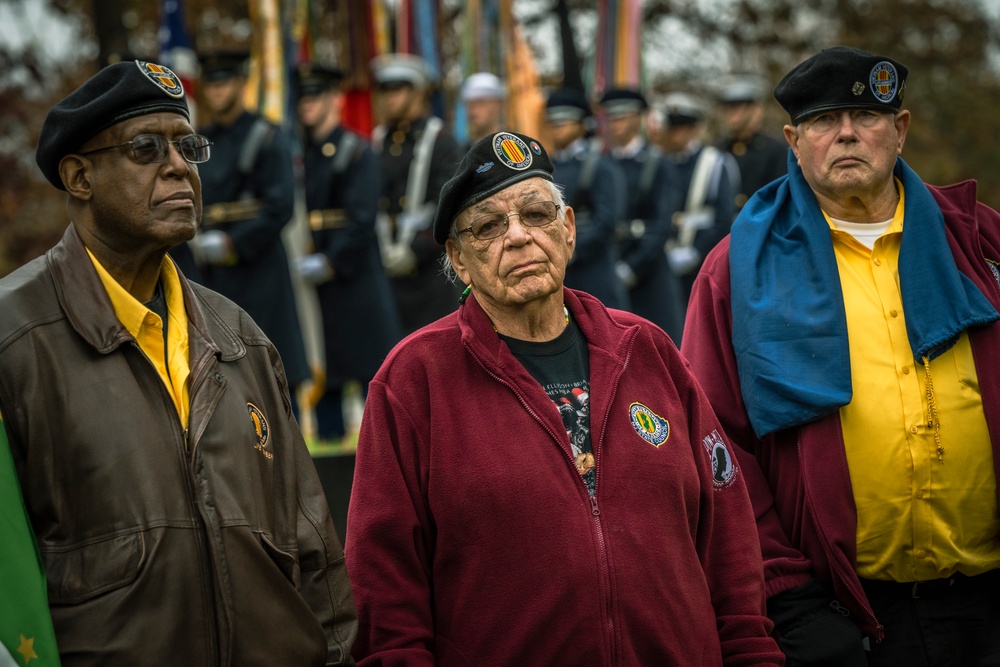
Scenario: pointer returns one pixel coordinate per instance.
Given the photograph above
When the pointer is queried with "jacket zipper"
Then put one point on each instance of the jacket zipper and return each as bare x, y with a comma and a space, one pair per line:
879, 628
196, 514
595, 510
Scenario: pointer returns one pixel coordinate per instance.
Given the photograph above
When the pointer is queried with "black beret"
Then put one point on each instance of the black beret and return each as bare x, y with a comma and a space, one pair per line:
566, 104
842, 77
492, 164
116, 93
223, 65
622, 101
313, 79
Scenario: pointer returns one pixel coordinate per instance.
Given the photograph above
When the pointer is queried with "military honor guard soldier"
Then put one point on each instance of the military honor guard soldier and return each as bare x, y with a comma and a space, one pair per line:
760, 157
343, 183
709, 180
417, 158
594, 186
653, 195
249, 198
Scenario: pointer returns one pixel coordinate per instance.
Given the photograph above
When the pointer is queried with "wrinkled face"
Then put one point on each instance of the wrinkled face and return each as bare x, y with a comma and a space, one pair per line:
483, 115
848, 153
142, 206
564, 133
221, 97
623, 128
524, 265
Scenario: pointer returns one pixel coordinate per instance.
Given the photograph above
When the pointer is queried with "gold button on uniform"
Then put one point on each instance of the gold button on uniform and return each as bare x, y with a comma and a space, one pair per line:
877, 261
395, 150
329, 149
913, 430
906, 370
894, 313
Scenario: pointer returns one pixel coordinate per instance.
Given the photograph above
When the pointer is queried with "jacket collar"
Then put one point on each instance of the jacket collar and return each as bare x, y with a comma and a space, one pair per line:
88, 307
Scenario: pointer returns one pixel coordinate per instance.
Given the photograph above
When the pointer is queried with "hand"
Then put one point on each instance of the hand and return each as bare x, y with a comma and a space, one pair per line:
212, 247
683, 259
812, 632
398, 260
314, 268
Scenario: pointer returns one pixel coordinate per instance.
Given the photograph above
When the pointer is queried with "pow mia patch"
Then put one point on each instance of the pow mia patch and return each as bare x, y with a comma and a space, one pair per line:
511, 150
162, 77
883, 81
650, 426
260, 428
724, 466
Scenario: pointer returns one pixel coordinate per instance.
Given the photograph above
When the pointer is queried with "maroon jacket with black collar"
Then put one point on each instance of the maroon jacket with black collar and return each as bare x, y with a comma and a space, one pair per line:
798, 478
473, 539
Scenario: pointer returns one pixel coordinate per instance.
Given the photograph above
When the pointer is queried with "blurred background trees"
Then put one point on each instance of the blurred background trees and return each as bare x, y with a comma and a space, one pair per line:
48, 47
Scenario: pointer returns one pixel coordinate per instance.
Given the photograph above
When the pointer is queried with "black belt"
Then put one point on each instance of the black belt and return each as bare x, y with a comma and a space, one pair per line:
956, 584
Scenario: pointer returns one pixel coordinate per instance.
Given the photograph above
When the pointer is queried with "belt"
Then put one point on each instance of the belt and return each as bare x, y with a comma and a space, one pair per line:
956, 584
330, 218
232, 211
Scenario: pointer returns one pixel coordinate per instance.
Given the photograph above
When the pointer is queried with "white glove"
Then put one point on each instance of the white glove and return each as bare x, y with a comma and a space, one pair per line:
314, 268
683, 259
626, 274
212, 247
398, 260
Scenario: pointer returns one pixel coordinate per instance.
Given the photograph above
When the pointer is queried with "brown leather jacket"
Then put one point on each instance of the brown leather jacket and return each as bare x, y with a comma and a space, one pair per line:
206, 546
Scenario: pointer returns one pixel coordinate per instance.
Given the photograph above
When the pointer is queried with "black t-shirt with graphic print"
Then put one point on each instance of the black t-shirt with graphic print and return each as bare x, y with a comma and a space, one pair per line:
562, 367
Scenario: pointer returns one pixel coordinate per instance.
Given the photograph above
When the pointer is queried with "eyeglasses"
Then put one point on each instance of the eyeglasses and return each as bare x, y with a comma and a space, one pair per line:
152, 148
492, 225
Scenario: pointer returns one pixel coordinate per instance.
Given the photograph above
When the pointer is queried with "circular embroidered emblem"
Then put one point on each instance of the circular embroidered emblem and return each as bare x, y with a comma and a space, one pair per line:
512, 151
259, 424
535, 148
162, 77
724, 466
650, 426
883, 81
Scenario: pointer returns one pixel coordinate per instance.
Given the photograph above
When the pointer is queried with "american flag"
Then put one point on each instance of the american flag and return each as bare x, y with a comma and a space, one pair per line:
175, 47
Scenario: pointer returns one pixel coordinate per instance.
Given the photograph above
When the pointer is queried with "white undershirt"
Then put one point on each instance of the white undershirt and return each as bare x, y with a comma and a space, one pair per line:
866, 233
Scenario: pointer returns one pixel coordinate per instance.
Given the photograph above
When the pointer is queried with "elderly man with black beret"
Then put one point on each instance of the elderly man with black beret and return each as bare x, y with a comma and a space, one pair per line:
177, 512
540, 480
846, 334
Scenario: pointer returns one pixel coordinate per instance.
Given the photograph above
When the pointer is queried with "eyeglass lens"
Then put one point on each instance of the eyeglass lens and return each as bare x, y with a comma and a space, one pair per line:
154, 148
535, 214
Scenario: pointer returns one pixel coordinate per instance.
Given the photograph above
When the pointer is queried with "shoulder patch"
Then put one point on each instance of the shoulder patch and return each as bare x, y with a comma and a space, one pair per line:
260, 429
650, 426
724, 468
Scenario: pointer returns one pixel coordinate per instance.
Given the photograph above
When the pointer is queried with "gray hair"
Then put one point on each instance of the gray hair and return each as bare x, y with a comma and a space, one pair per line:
449, 271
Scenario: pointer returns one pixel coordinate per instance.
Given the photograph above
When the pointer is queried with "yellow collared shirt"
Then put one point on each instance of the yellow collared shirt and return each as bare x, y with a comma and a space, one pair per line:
147, 328
918, 518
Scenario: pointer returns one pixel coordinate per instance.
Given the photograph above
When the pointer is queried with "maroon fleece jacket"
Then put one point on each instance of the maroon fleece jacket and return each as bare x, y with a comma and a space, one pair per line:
472, 539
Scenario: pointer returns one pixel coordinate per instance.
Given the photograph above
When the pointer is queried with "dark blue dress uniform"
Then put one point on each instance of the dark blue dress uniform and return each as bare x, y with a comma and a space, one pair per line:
259, 281
360, 321
656, 293
598, 206
423, 295
720, 197
760, 159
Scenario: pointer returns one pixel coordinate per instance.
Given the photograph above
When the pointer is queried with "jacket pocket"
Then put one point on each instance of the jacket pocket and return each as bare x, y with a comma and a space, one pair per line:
287, 562
86, 571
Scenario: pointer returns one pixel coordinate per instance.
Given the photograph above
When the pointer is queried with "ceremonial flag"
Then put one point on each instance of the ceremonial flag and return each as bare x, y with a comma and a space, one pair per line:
26, 635
175, 47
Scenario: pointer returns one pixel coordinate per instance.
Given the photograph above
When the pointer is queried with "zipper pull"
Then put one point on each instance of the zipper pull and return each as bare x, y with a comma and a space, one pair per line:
593, 506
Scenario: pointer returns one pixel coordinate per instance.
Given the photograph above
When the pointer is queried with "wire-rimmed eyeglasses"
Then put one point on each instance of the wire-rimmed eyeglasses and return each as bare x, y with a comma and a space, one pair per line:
152, 148
492, 225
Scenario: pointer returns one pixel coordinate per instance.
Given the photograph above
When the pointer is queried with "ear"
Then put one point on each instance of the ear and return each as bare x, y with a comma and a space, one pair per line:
75, 172
569, 222
454, 250
792, 137
902, 123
